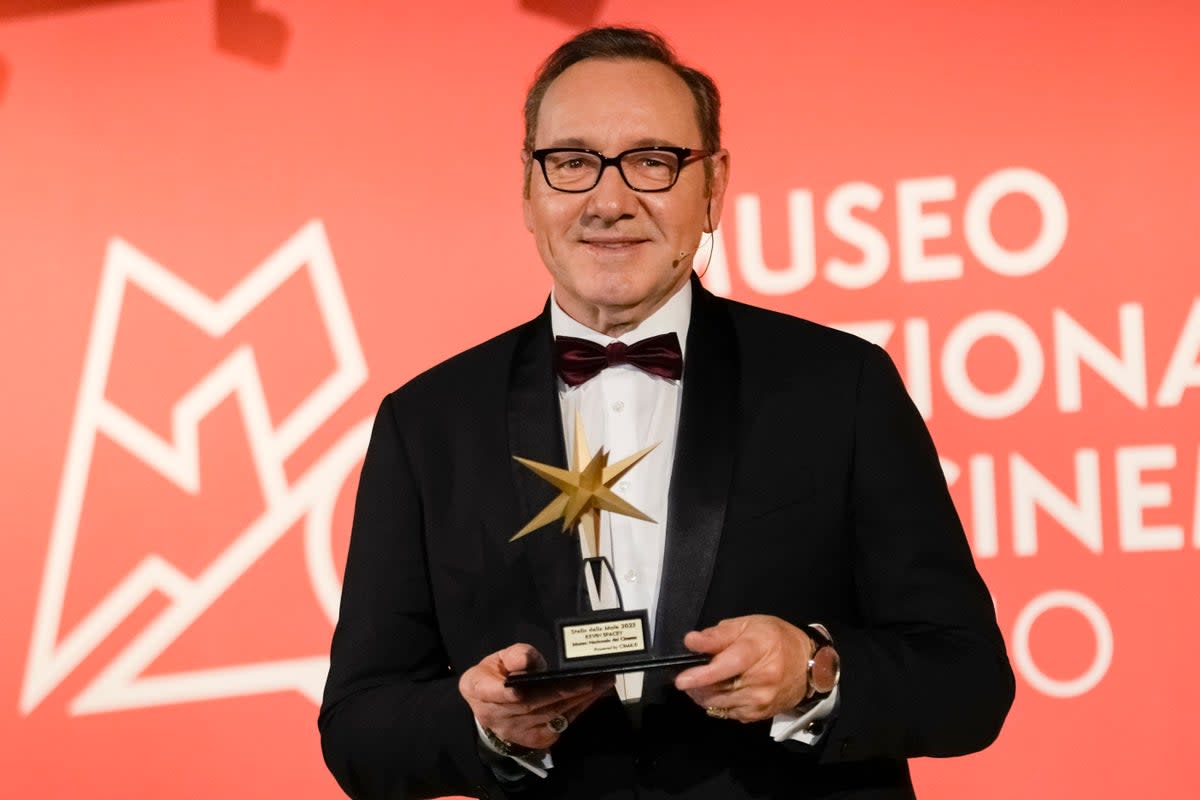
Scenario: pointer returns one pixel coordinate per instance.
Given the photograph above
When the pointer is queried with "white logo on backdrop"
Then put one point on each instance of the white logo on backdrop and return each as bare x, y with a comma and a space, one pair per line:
122, 684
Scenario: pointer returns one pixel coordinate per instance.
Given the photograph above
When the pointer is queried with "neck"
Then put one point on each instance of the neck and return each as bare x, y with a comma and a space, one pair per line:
611, 322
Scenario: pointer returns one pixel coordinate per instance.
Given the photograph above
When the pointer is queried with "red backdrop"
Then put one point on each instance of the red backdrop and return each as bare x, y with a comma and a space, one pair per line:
228, 228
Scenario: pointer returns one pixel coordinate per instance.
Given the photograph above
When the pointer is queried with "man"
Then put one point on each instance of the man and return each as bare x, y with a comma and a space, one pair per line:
803, 523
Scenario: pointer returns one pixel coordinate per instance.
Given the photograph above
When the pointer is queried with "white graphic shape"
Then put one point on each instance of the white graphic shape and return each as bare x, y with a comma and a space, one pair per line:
120, 685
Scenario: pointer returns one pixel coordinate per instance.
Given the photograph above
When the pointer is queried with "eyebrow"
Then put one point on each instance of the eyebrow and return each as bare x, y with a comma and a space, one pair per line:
575, 141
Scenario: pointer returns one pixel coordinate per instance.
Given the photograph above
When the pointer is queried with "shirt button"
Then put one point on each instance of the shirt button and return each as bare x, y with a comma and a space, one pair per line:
618, 406
623, 486
631, 576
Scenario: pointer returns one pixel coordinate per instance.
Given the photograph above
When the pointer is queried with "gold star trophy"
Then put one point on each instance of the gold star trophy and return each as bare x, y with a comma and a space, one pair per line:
598, 640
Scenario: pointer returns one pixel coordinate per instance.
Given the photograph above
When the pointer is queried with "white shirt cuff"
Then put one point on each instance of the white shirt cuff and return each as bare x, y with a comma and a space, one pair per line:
802, 727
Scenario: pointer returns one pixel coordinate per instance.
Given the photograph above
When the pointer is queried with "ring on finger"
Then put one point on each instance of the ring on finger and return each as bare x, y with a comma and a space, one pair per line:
558, 724
717, 712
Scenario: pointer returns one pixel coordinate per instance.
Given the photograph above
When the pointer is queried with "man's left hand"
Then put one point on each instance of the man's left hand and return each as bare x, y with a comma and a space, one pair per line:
758, 669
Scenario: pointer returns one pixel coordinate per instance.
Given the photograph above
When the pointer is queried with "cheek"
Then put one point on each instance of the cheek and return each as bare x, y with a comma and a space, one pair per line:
678, 224
552, 213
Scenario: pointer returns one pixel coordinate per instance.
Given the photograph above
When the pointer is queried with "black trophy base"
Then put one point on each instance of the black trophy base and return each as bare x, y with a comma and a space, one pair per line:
635, 663
602, 642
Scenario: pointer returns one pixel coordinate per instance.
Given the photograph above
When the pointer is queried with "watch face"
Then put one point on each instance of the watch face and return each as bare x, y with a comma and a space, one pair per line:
825, 666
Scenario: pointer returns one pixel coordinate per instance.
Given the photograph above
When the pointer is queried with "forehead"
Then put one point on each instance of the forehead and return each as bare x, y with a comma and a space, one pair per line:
603, 103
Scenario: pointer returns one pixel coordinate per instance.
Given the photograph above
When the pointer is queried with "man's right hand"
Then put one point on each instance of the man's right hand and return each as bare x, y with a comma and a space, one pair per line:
522, 716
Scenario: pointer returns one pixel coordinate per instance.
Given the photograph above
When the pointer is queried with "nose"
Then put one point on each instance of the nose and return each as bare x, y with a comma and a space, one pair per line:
611, 199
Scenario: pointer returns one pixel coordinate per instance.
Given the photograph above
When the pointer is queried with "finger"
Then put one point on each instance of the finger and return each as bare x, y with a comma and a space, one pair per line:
520, 657
578, 705
736, 691
717, 710
543, 700
485, 681
570, 709
533, 729
731, 685
530, 724
716, 638
725, 666
560, 691
738, 708
484, 687
707, 697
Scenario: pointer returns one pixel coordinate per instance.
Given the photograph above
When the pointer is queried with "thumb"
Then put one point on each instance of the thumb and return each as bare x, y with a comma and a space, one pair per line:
520, 658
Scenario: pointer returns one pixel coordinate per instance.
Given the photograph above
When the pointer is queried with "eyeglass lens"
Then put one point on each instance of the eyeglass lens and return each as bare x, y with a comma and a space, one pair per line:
644, 170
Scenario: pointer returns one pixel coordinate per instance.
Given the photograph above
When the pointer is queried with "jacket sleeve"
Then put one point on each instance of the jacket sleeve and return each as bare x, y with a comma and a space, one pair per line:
925, 672
392, 722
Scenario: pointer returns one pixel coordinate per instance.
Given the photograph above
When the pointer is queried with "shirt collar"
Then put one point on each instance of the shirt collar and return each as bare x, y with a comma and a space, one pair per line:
675, 315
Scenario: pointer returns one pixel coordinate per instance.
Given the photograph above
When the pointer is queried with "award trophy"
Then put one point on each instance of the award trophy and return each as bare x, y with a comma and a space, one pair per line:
598, 639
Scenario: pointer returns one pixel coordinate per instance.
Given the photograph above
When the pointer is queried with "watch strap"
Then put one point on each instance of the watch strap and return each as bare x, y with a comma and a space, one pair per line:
819, 635
507, 748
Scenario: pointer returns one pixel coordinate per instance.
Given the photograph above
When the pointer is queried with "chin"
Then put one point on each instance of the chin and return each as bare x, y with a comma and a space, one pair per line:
617, 292
615, 286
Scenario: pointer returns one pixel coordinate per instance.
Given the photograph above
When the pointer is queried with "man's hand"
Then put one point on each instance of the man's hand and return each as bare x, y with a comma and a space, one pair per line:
758, 669
522, 716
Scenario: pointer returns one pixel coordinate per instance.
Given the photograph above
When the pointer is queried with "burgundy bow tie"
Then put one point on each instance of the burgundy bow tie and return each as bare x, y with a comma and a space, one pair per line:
580, 360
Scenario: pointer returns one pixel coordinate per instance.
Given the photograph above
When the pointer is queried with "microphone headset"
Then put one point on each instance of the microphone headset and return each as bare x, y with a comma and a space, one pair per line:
712, 235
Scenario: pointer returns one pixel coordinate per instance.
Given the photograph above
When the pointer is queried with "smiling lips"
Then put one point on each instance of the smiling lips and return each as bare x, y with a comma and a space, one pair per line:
612, 244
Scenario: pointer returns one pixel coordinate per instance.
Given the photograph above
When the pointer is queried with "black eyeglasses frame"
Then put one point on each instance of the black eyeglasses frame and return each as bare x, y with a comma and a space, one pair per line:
686, 155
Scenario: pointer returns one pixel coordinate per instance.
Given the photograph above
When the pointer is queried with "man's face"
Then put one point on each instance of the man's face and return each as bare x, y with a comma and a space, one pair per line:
615, 253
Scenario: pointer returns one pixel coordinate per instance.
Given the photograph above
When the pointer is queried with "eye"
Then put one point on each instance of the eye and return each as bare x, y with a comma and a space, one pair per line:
570, 162
652, 162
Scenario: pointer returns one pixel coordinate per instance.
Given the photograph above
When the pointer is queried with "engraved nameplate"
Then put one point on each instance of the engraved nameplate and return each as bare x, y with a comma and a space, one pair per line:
603, 638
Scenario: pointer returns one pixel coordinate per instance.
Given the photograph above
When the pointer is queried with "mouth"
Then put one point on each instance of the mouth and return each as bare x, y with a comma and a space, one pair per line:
612, 244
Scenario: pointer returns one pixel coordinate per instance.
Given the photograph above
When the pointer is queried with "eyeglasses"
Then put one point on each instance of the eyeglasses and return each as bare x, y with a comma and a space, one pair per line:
644, 169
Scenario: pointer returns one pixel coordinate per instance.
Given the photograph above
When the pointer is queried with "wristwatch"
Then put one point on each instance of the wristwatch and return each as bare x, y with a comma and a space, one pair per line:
506, 748
823, 670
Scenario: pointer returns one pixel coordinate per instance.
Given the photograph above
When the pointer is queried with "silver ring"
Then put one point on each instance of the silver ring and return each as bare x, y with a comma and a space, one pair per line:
557, 724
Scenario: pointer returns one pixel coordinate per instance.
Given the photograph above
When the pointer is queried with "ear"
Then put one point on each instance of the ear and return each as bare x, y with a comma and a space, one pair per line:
717, 186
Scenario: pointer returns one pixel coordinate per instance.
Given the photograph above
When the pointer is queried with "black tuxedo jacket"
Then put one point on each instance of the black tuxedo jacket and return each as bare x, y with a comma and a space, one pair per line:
805, 486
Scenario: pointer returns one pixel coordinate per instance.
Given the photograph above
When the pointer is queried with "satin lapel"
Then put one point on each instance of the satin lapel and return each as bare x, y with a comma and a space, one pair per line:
700, 479
535, 432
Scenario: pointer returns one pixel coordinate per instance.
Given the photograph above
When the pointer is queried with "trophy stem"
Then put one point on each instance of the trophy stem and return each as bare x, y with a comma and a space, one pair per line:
593, 570
589, 525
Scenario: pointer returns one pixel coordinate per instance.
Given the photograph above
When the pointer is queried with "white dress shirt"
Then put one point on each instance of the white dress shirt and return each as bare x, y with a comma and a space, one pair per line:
625, 409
